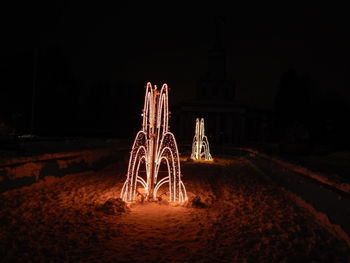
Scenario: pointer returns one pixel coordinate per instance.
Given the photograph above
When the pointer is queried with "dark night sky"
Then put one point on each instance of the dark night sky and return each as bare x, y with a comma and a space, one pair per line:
168, 42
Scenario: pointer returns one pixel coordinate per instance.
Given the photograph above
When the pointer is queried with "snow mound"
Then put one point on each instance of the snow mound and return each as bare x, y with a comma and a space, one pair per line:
113, 206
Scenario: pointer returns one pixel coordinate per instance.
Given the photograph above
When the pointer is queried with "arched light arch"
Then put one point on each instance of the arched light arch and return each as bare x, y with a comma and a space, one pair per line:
200, 145
153, 143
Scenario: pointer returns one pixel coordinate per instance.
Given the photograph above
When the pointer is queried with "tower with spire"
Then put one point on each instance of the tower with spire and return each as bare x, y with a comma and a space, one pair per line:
214, 100
215, 83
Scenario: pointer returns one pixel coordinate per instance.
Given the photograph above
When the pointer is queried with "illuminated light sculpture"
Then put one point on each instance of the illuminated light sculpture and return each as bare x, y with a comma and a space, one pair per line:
153, 145
200, 145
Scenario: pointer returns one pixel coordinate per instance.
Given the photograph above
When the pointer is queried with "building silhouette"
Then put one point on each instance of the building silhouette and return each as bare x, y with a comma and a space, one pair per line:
214, 101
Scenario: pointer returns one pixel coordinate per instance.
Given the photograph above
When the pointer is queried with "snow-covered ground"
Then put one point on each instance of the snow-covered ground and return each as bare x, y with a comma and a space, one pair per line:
235, 214
336, 164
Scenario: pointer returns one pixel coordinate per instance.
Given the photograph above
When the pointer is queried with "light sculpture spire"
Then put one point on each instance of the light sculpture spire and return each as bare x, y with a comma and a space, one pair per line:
200, 145
154, 144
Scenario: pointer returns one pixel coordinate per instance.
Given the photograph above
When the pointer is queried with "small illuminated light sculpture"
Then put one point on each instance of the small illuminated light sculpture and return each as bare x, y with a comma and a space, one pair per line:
200, 145
153, 145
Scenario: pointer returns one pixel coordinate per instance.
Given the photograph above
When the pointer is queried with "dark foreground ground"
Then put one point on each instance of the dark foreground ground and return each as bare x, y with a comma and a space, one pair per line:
235, 214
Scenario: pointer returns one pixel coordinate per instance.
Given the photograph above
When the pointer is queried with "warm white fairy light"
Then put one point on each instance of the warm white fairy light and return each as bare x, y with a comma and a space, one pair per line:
200, 145
153, 145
